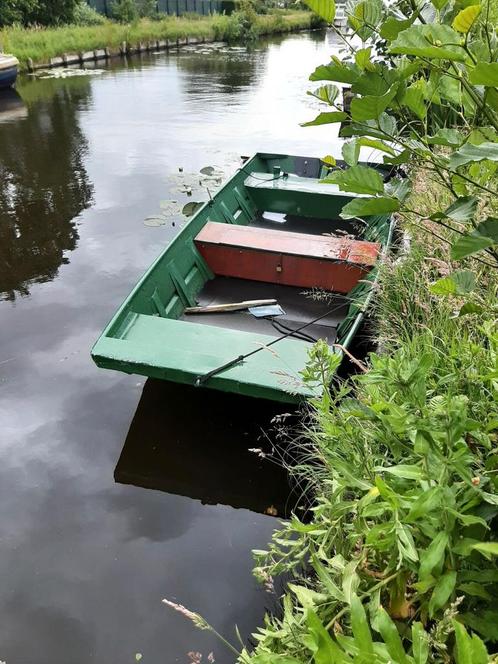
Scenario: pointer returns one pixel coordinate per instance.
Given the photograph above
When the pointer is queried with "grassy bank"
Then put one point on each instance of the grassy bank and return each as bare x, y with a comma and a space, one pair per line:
40, 44
402, 463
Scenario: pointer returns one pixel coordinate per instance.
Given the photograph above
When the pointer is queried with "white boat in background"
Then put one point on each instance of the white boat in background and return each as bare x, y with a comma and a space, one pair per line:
9, 66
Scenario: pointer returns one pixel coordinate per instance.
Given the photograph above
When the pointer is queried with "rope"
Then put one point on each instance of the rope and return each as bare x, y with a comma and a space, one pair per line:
201, 379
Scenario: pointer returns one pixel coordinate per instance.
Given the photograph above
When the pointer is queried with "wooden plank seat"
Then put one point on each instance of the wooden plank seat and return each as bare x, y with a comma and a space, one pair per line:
283, 257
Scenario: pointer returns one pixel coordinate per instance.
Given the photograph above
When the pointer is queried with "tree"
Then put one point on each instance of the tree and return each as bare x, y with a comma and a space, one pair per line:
42, 12
16, 11
52, 12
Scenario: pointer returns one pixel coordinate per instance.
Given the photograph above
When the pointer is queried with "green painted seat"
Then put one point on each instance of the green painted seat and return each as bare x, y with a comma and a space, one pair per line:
182, 351
292, 194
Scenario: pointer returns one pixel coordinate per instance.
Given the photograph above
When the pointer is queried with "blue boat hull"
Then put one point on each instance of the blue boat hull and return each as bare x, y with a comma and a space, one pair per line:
8, 77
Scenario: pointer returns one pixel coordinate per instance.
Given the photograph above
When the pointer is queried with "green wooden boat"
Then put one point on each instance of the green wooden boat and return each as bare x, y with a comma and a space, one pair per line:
272, 234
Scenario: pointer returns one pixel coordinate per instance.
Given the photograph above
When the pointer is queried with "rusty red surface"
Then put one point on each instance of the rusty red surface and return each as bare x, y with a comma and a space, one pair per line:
292, 259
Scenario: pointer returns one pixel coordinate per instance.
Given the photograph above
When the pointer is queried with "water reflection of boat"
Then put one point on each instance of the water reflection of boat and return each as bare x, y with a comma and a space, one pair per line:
206, 455
8, 70
12, 107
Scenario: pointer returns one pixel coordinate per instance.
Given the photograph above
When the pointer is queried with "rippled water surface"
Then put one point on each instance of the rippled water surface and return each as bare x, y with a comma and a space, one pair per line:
115, 493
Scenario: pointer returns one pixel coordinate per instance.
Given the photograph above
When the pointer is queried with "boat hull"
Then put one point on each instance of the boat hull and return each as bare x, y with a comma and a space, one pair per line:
8, 77
151, 336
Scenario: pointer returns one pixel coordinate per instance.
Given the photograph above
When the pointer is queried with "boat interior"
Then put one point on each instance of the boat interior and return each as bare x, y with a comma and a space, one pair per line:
272, 232
307, 264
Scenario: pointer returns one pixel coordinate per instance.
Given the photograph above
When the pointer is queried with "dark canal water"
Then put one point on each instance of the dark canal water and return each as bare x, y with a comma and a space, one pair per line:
115, 493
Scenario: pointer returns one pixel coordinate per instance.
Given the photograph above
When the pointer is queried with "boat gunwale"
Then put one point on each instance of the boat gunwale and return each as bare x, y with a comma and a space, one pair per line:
185, 236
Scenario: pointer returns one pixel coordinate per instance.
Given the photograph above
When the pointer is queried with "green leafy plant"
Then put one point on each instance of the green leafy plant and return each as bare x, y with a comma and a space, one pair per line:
124, 11
399, 561
86, 15
437, 72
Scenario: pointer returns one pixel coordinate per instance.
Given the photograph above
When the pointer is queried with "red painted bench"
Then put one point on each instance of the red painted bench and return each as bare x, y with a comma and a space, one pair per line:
292, 259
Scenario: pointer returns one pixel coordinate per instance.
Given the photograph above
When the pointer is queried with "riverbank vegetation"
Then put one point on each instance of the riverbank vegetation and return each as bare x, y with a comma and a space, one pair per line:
40, 44
398, 563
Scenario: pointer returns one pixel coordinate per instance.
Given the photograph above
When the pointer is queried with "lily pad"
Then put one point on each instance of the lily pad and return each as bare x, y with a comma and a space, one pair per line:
189, 209
156, 220
170, 208
211, 171
67, 73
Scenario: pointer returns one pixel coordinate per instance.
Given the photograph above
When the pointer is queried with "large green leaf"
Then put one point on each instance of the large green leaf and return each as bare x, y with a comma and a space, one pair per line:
489, 228
369, 107
463, 650
390, 634
439, 4
429, 41
461, 210
391, 27
365, 142
420, 643
414, 99
326, 118
370, 83
360, 628
466, 245
487, 548
458, 283
470, 308
401, 158
485, 73
452, 90
433, 556
324, 8
427, 502
406, 471
358, 179
336, 71
466, 18
469, 649
451, 137
469, 153
326, 93
442, 591
364, 207
325, 649
363, 58
365, 17
351, 152
307, 597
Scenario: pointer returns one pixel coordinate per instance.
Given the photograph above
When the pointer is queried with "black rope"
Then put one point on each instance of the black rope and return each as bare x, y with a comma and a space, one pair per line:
200, 380
281, 327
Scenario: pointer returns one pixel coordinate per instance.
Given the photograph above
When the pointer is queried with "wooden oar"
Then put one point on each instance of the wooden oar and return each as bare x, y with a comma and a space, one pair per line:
223, 308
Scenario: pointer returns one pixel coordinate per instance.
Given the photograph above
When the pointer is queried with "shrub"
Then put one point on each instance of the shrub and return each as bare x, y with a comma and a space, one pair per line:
86, 15
241, 24
52, 12
15, 11
147, 8
42, 12
124, 11
228, 7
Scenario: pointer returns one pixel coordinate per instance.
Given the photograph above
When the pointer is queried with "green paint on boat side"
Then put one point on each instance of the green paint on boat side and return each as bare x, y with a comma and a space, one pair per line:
193, 349
145, 336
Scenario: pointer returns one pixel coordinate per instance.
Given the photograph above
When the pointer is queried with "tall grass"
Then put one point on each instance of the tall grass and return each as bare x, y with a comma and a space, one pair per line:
40, 44
422, 422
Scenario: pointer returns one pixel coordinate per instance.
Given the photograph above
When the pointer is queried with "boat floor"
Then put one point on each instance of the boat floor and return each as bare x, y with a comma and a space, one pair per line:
298, 305
310, 225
